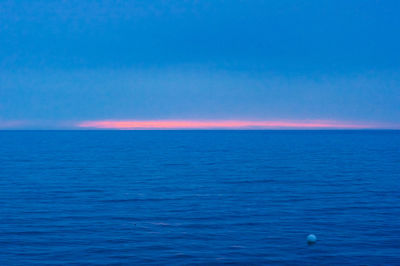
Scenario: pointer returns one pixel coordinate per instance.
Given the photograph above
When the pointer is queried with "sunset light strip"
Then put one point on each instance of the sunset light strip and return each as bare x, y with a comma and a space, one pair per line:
219, 124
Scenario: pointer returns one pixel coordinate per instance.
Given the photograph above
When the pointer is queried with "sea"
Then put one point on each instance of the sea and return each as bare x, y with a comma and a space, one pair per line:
201, 197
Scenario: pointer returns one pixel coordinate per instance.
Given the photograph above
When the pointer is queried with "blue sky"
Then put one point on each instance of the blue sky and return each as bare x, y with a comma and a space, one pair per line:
62, 62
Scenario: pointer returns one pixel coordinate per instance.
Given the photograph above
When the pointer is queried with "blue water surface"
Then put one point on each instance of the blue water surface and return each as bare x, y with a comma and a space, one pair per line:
199, 197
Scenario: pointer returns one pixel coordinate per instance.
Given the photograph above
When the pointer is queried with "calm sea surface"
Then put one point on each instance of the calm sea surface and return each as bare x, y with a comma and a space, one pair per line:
207, 197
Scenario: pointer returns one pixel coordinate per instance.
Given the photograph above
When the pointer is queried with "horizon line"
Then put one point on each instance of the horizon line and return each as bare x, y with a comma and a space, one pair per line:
201, 129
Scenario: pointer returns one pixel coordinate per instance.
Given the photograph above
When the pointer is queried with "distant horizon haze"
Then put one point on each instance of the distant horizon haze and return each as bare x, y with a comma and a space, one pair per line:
167, 124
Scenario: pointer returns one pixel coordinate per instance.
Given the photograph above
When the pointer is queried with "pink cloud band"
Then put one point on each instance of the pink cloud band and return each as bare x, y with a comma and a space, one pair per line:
220, 124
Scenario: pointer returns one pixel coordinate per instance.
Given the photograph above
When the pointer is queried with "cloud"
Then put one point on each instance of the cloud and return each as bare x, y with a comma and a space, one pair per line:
223, 124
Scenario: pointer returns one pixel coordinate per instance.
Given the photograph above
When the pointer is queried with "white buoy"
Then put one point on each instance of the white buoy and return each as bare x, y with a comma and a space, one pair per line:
311, 239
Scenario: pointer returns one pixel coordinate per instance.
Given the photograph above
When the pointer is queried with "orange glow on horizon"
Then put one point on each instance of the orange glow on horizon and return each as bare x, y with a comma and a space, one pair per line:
220, 124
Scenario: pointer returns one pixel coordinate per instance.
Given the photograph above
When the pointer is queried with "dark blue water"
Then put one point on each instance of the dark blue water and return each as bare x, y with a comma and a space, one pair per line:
208, 197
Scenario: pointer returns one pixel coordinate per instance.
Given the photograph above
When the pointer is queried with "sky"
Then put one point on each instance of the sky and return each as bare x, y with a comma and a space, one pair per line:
199, 64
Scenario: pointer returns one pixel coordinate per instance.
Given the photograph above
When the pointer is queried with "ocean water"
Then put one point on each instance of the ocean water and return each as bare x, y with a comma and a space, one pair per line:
199, 197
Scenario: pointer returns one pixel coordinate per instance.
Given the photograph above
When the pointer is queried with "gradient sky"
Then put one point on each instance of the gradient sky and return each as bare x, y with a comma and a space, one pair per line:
66, 63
